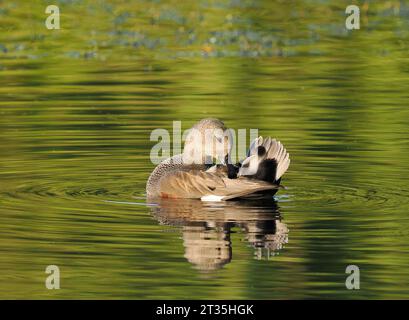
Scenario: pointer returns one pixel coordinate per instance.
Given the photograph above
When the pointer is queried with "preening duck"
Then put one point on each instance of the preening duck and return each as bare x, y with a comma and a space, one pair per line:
194, 175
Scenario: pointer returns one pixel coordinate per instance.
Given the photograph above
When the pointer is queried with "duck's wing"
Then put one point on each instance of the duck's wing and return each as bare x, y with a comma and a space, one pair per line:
267, 159
208, 186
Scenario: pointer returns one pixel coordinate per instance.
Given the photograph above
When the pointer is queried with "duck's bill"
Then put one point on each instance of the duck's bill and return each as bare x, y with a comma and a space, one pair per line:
226, 160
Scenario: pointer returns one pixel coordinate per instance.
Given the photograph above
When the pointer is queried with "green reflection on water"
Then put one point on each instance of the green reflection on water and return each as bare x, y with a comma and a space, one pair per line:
77, 107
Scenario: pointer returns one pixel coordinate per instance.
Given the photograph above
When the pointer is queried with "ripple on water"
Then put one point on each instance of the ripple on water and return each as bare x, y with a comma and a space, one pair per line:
53, 193
370, 196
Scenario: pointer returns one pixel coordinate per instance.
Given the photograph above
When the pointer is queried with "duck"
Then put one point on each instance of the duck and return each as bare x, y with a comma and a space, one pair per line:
205, 172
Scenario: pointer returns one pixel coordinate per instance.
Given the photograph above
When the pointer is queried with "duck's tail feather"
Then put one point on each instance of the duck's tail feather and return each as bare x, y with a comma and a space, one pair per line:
267, 160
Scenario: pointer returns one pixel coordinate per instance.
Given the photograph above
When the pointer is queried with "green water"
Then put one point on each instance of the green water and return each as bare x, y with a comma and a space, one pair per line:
77, 106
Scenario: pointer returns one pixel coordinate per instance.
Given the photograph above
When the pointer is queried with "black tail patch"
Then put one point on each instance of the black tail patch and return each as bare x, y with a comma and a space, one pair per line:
267, 170
261, 151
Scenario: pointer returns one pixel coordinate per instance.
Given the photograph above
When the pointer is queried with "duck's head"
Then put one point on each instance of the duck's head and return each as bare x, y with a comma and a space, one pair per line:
207, 141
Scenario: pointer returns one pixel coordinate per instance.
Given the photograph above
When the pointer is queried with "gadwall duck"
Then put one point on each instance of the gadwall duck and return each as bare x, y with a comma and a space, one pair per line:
193, 174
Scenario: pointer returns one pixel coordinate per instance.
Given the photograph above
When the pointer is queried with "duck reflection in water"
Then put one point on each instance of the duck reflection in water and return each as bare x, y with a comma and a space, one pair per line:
207, 227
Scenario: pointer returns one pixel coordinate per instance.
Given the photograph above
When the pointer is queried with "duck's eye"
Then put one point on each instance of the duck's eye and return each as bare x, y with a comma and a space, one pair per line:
245, 165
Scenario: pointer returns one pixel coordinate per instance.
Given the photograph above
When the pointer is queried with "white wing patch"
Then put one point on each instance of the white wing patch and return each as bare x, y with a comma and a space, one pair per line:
212, 197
